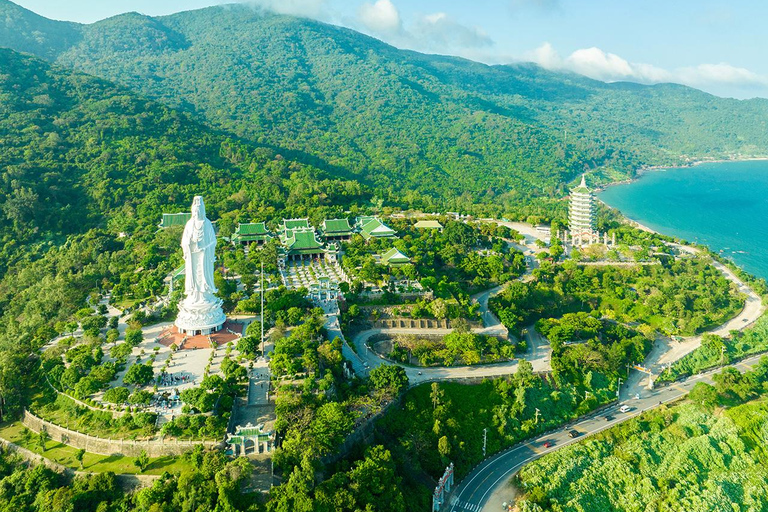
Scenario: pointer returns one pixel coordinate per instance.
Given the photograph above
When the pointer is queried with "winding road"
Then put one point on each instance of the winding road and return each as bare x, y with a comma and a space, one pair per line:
483, 488
480, 489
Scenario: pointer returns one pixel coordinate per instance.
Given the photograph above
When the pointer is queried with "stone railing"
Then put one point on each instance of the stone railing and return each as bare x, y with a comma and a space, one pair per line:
102, 446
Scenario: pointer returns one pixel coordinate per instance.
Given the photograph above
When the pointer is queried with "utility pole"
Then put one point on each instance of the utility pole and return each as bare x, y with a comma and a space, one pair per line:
618, 389
262, 309
537, 416
722, 357
485, 439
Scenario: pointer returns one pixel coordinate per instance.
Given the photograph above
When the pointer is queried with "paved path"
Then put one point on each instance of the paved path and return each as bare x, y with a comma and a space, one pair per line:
483, 488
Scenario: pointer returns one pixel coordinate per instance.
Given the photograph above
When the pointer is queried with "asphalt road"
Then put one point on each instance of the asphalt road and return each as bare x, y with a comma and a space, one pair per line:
473, 493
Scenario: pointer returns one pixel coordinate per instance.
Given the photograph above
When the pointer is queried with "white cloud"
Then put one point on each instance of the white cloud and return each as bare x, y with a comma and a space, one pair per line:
381, 17
440, 31
596, 63
722, 73
317, 9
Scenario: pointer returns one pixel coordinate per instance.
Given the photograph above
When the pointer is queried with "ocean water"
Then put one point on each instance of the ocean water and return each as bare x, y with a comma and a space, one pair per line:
723, 205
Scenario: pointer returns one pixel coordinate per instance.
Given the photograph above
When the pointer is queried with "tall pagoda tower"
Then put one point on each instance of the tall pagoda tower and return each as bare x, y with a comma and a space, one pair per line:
581, 217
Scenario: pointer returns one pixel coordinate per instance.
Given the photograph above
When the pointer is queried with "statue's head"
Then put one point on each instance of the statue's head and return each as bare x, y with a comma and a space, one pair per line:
198, 208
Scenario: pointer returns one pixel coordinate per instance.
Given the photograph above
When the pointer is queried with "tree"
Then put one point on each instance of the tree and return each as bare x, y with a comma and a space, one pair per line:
134, 337
436, 395
139, 374
116, 395
249, 345
444, 447
439, 309
142, 461
42, 438
254, 329
389, 378
705, 395
79, 455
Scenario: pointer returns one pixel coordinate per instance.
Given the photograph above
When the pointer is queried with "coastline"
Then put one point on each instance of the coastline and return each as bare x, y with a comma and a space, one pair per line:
660, 168
640, 171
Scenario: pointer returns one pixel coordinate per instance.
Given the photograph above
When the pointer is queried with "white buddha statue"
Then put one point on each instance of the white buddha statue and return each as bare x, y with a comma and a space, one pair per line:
198, 243
200, 312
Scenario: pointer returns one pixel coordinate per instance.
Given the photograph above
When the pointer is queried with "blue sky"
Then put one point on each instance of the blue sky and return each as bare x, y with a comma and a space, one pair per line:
716, 46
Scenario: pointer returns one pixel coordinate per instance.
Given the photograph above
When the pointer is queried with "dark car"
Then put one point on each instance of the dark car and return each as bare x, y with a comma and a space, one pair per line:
573, 433
608, 418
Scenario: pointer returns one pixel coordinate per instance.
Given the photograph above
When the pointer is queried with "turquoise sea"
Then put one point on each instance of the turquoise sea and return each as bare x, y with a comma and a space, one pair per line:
723, 205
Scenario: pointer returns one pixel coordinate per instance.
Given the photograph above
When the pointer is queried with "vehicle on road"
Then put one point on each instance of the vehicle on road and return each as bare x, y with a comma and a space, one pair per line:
608, 418
573, 434
548, 444
418, 373
625, 408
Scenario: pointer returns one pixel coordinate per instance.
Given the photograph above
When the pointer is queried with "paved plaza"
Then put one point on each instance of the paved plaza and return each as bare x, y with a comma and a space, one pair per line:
306, 273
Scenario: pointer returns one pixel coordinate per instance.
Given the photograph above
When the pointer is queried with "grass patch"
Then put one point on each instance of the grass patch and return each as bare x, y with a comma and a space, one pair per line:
65, 455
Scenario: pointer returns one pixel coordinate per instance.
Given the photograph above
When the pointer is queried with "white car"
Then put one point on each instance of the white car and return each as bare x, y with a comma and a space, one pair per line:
625, 408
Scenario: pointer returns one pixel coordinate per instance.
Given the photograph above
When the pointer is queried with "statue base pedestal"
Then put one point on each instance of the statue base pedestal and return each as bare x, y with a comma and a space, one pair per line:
200, 318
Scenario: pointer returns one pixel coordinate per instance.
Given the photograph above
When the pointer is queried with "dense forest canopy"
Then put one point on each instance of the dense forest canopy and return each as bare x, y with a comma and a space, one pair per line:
456, 130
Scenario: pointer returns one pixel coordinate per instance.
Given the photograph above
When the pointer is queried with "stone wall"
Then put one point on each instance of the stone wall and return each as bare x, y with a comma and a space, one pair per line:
416, 323
101, 446
126, 482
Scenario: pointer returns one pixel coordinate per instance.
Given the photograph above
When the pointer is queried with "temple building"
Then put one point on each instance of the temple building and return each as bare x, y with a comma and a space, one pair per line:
394, 258
581, 218
428, 224
251, 232
294, 224
336, 229
174, 219
373, 227
305, 243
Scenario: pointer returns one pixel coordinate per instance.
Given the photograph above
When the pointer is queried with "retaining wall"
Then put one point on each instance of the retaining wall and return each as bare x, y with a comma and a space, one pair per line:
126, 482
102, 446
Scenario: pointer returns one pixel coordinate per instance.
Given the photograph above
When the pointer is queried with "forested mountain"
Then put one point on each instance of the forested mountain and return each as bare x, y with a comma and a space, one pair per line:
80, 155
352, 105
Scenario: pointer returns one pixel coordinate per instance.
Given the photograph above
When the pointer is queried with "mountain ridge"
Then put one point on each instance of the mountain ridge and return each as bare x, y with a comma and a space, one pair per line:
459, 131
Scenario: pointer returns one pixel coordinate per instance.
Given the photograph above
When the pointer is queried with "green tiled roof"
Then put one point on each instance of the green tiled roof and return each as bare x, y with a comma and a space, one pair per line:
363, 220
174, 219
295, 223
394, 257
252, 228
336, 226
374, 228
301, 241
428, 224
251, 232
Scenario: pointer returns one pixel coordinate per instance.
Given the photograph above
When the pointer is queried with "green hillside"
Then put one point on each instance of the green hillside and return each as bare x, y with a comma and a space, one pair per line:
456, 130
83, 160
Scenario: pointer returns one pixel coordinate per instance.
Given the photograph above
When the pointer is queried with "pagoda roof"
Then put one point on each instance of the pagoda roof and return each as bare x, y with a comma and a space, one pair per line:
374, 228
428, 224
582, 188
251, 231
394, 257
336, 226
174, 219
301, 241
295, 223
252, 228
